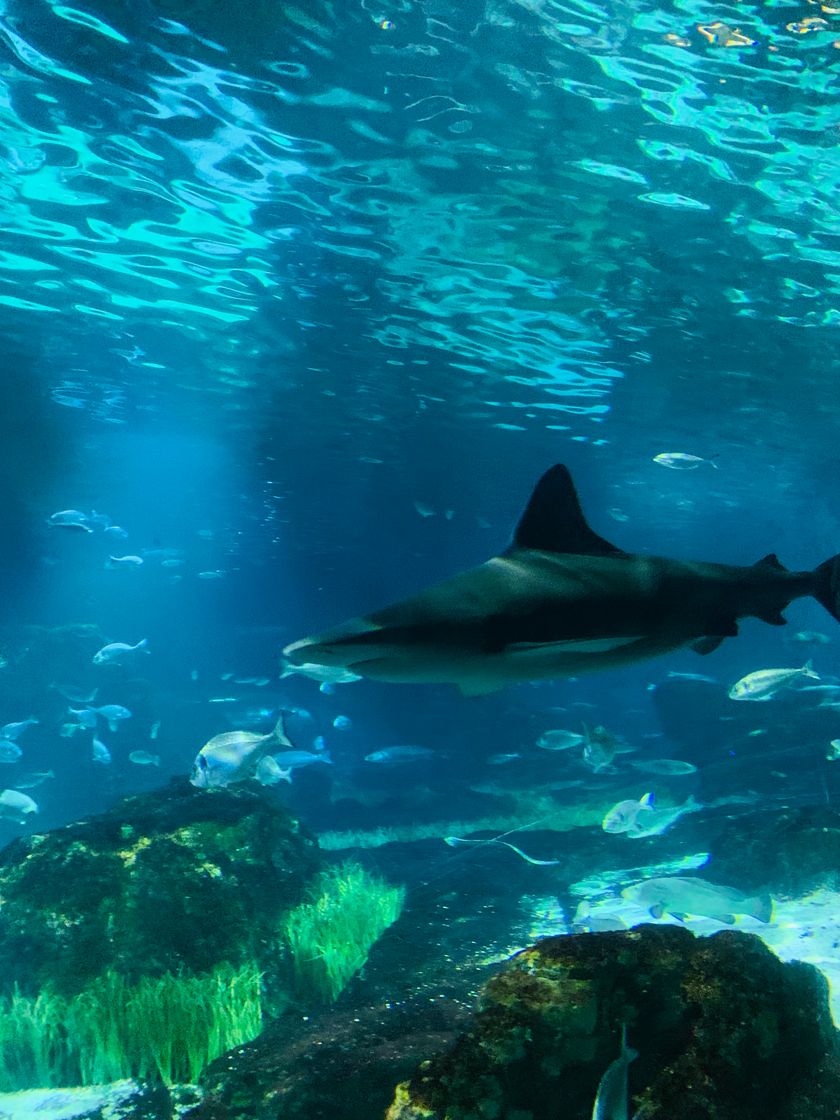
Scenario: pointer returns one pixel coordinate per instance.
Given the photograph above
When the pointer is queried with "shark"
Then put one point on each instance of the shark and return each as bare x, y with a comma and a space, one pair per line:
560, 601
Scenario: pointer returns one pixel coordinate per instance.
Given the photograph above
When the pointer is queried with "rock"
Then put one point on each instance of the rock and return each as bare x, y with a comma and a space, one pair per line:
121, 1100
171, 881
410, 1000
724, 1030
786, 851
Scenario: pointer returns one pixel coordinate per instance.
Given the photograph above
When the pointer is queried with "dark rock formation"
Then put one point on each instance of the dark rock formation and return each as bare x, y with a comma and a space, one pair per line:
786, 851
724, 1031
175, 880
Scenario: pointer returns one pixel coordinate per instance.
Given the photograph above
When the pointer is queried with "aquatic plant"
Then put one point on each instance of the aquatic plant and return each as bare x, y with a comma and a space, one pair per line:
170, 1026
330, 934
539, 810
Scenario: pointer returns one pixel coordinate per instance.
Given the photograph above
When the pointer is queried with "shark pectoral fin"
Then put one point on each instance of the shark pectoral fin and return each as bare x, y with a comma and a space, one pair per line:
657, 910
718, 630
553, 520
577, 646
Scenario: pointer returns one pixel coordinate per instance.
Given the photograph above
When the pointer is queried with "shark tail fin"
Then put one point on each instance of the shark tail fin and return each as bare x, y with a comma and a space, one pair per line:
827, 586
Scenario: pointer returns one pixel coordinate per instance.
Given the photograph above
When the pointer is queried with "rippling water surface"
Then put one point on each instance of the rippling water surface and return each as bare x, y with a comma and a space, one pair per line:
314, 293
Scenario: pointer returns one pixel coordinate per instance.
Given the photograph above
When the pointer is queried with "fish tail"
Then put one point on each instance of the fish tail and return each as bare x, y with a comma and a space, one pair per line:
827, 586
279, 733
762, 908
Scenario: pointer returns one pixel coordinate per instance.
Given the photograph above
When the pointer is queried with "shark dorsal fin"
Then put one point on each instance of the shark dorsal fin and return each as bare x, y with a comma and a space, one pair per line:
553, 520
770, 563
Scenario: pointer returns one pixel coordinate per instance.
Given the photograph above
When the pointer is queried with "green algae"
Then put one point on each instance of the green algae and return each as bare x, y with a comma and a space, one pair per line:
170, 1026
330, 934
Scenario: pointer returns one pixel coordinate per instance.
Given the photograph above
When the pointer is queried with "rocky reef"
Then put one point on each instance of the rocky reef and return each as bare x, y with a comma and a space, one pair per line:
178, 880
724, 1031
789, 851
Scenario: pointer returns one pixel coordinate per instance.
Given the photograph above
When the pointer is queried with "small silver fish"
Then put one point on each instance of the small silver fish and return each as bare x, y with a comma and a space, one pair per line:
294, 760
112, 714
611, 1098
236, 756
672, 767
681, 460
115, 652
763, 684
811, 637
327, 674
99, 752
36, 778
123, 561
559, 740
144, 758
72, 519
9, 751
658, 820
83, 717
16, 805
624, 814
400, 754
15, 730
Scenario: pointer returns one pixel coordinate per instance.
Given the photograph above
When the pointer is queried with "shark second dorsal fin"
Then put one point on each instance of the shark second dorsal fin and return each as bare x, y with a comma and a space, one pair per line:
553, 520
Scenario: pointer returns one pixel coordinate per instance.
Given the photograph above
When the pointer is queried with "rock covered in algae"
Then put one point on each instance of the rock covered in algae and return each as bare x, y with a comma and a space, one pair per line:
177, 880
791, 850
724, 1030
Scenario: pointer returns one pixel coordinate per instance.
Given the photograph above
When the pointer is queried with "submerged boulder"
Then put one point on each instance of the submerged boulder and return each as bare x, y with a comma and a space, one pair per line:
177, 881
790, 851
724, 1031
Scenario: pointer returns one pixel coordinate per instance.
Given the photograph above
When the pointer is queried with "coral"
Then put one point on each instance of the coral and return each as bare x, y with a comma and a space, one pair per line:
329, 935
174, 881
724, 1031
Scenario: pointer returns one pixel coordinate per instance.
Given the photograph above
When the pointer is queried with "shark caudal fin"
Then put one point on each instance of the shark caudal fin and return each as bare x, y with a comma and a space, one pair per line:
827, 586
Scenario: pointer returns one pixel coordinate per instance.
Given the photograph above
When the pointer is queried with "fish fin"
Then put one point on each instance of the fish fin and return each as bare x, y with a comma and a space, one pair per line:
770, 563
727, 919
706, 645
773, 617
278, 735
827, 586
680, 915
646, 801
763, 908
268, 772
808, 671
657, 910
554, 522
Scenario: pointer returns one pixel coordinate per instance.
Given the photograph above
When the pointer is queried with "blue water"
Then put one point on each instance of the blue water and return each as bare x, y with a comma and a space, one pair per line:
273, 277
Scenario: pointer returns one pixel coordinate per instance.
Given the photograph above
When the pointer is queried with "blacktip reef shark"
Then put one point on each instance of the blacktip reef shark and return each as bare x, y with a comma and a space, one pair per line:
560, 601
